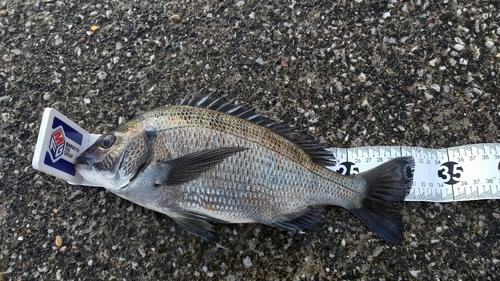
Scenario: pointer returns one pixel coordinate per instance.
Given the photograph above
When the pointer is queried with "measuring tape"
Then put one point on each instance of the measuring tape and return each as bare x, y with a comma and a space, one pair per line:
468, 172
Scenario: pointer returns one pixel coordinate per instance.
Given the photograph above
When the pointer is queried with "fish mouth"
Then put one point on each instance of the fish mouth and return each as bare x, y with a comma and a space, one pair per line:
83, 160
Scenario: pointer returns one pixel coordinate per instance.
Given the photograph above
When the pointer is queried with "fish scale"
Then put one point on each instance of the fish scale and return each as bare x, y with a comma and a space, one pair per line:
287, 177
207, 159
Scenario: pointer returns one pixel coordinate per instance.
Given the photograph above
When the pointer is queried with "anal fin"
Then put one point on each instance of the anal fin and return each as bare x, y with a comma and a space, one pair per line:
304, 221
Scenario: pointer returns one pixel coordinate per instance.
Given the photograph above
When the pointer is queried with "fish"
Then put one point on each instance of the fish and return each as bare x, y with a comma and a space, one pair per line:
209, 160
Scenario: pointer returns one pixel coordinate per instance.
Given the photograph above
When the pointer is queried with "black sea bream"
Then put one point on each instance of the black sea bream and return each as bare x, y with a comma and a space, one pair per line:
207, 159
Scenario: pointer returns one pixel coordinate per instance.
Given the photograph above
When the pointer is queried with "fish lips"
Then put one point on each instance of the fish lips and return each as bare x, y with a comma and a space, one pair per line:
86, 167
84, 164
84, 160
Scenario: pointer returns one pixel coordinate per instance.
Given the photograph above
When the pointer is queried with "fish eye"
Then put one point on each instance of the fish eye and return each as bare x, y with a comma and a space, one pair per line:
107, 141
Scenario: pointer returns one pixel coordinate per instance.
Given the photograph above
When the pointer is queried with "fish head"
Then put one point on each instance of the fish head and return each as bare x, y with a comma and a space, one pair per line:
116, 158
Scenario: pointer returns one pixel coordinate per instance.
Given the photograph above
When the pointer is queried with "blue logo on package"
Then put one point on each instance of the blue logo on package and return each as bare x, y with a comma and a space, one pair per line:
58, 146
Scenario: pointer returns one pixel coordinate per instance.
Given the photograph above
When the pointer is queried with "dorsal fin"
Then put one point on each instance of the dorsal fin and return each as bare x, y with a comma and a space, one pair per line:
315, 150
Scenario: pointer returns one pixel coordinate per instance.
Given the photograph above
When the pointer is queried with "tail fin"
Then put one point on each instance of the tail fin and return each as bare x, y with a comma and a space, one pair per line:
386, 186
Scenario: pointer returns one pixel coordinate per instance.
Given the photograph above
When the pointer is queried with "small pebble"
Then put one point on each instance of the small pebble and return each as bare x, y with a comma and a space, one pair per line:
5, 117
94, 28
176, 18
405, 8
362, 77
426, 127
459, 47
404, 38
414, 273
57, 41
142, 252
247, 262
476, 228
58, 241
436, 87
102, 75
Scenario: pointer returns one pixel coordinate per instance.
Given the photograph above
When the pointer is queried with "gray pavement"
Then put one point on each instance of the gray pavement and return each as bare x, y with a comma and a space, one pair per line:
350, 73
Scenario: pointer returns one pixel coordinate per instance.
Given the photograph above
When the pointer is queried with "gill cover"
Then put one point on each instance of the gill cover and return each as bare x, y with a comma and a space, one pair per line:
116, 158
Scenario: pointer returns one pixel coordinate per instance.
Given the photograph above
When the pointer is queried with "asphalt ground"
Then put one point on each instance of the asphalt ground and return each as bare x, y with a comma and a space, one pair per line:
350, 73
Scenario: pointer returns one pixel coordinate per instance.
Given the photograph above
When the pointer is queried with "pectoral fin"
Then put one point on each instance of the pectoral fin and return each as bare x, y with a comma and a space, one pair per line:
189, 167
194, 223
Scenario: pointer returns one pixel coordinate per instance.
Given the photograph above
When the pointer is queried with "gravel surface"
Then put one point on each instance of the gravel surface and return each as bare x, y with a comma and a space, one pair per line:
350, 73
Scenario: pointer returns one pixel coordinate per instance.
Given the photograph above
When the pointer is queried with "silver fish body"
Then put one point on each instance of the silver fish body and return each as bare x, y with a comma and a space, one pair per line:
207, 159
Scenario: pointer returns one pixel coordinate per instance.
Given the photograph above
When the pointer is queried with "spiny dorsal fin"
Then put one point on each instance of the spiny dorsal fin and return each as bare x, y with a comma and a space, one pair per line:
315, 150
